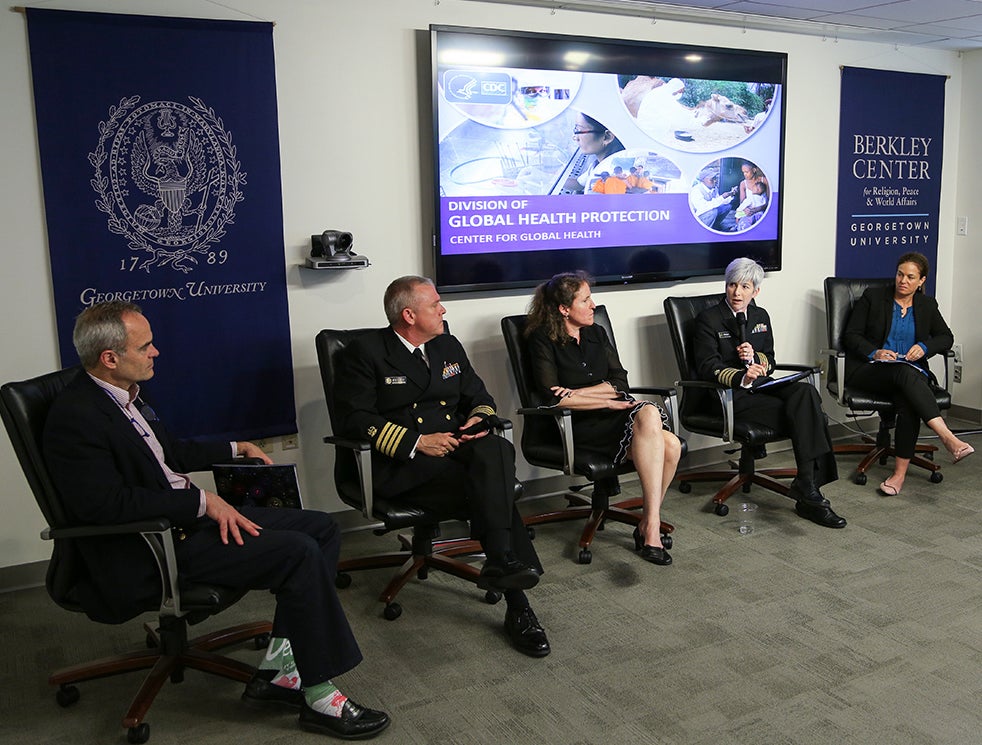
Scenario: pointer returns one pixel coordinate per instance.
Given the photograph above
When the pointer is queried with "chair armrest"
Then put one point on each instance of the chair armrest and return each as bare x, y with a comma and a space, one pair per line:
564, 420
725, 396
94, 531
157, 534
793, 367
362, 450
503, 428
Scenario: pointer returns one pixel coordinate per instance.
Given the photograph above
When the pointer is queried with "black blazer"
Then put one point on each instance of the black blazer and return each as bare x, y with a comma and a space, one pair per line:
716, 337
105, 474
870, 321
386, 396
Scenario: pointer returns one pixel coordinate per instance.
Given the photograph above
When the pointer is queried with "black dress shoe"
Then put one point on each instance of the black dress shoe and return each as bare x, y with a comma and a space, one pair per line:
820, 514
260, 692
807, 493
355, 723
507, 574
654, 554
525, 632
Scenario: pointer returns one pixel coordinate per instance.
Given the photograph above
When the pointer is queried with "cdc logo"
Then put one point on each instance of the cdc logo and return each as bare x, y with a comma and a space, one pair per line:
471, 86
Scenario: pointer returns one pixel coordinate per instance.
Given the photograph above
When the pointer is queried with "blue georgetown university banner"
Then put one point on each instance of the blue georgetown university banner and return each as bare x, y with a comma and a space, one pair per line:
890, 156
160, 164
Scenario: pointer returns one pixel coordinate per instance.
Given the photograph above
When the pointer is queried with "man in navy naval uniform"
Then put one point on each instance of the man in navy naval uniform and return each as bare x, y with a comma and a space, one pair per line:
733, 344
411, 391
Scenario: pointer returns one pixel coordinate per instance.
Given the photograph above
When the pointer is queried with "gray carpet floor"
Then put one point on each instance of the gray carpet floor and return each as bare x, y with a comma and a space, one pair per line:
791, 634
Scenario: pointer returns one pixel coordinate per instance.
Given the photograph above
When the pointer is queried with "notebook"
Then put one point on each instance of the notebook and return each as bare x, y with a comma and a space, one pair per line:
258, 485
778, 382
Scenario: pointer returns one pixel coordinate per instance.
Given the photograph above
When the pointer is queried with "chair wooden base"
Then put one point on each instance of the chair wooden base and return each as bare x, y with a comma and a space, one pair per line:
416, 561
596, 512
737, 480
874, 453
170, 654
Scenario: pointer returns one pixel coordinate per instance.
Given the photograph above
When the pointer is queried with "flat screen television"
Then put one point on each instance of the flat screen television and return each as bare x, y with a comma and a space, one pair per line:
633, 161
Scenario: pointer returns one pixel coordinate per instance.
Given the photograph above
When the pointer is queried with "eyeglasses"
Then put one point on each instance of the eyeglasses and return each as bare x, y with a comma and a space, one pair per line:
587, 132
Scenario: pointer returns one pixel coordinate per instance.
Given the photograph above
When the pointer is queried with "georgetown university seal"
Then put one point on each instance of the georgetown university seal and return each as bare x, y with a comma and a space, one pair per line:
168, 180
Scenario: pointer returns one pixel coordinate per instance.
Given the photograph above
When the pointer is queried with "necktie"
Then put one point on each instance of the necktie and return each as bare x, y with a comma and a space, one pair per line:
418, 354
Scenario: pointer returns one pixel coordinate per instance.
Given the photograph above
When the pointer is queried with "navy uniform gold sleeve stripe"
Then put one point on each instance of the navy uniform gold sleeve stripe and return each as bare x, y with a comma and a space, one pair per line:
482, 410
389, 438
727, 375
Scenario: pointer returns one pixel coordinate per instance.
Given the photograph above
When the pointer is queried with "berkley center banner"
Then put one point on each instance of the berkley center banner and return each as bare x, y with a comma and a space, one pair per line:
160, 165
890, 155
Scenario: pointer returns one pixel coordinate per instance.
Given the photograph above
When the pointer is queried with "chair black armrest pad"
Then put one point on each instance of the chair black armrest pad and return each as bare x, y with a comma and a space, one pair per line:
92, 531
653, 390
700, 384
553, 411
345, 442
797, 368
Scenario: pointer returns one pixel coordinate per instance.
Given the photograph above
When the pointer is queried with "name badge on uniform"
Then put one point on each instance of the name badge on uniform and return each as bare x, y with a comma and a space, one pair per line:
396, 380
723, 334
450, 369
760, 328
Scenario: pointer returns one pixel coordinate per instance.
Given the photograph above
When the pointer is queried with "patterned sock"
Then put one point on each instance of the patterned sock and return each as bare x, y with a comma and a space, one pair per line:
325, 698
279, 658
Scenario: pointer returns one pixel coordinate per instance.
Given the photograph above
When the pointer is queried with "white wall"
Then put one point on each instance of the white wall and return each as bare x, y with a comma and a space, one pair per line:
350, 103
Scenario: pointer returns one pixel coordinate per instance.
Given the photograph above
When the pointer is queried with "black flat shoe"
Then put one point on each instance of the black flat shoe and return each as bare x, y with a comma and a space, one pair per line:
820, 515
507, 574
260, 693
526, 633
355, 723
654, 554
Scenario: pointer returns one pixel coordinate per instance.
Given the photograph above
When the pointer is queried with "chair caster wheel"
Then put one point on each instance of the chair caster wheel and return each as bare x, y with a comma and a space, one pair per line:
531, 532
261, 641
392, 611
685, 487
666, 541
722, 510
860, 479
585, 556
342, 580
67, 696
491, 597
138, 734
423, 573
936, 477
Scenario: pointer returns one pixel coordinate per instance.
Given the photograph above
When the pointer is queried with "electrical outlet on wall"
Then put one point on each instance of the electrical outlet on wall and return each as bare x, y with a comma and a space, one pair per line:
957, 349
957, 374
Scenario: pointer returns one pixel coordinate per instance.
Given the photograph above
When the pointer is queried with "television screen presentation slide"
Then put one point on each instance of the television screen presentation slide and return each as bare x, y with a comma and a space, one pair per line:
603, 145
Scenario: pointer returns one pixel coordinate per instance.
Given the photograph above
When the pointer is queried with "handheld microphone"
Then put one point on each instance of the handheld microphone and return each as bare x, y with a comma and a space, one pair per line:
741, 320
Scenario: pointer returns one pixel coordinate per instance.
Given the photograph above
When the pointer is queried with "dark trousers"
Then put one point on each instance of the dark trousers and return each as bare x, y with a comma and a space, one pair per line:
477, 483
295, 557
911, 393
795, 410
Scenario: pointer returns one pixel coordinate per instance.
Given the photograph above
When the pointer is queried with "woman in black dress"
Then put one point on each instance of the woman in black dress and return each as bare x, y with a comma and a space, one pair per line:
901, 325
575, 365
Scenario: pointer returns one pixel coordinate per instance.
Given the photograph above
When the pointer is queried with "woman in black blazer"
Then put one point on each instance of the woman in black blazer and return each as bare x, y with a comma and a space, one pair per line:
889, 328
575, 365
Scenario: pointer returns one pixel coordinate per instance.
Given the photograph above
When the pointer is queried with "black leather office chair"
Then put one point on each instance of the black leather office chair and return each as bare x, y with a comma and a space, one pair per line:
707, 409
24, 407
547, 441
841, 295
353, 479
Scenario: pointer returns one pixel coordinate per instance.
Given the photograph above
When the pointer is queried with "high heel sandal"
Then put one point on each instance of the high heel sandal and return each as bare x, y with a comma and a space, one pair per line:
654, 554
